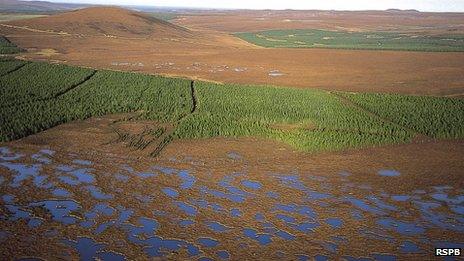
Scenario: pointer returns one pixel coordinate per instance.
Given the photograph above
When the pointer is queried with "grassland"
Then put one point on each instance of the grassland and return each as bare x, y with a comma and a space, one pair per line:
17, 16
355, 40
39, 96
7, 47
166, 16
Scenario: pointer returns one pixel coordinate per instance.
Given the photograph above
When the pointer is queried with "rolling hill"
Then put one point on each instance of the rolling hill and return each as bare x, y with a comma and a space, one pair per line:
109, 21
16, 6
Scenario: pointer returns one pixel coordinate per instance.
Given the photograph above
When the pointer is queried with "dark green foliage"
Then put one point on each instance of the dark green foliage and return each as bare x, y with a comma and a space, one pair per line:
355, 40
7, 47
158, 132
315, 119
39, 96
7, 66
158, 98
38, 81
166, 16
433, 116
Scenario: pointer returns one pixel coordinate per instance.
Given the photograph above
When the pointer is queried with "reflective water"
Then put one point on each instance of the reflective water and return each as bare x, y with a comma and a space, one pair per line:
88, 249
275, 73
171, 192
217, 227
208, 242
389, 173
201, 214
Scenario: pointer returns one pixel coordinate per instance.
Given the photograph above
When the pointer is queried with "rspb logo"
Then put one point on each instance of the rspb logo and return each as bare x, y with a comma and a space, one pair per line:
447, 252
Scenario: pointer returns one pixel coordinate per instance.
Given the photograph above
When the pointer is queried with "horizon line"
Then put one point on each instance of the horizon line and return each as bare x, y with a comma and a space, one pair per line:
244, 9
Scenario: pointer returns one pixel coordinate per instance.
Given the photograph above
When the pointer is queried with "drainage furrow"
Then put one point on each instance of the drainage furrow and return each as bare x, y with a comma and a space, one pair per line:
375, 115
72, 87
194, 97
168, 135
15, 69
55, 96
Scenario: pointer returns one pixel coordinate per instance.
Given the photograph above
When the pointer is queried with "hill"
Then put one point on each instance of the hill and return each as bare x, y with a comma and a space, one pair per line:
16, 6
393, 10
109, 21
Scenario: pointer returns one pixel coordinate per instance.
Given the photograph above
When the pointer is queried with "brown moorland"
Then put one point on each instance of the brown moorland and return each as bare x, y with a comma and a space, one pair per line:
390, 20
338, 181
115, 38
127, 181
109, 22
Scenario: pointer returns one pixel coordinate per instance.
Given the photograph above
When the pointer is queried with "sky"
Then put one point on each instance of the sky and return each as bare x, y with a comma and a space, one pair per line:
421, 5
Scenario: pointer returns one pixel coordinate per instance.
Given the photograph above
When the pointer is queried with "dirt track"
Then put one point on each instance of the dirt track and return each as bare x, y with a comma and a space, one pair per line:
215, 55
